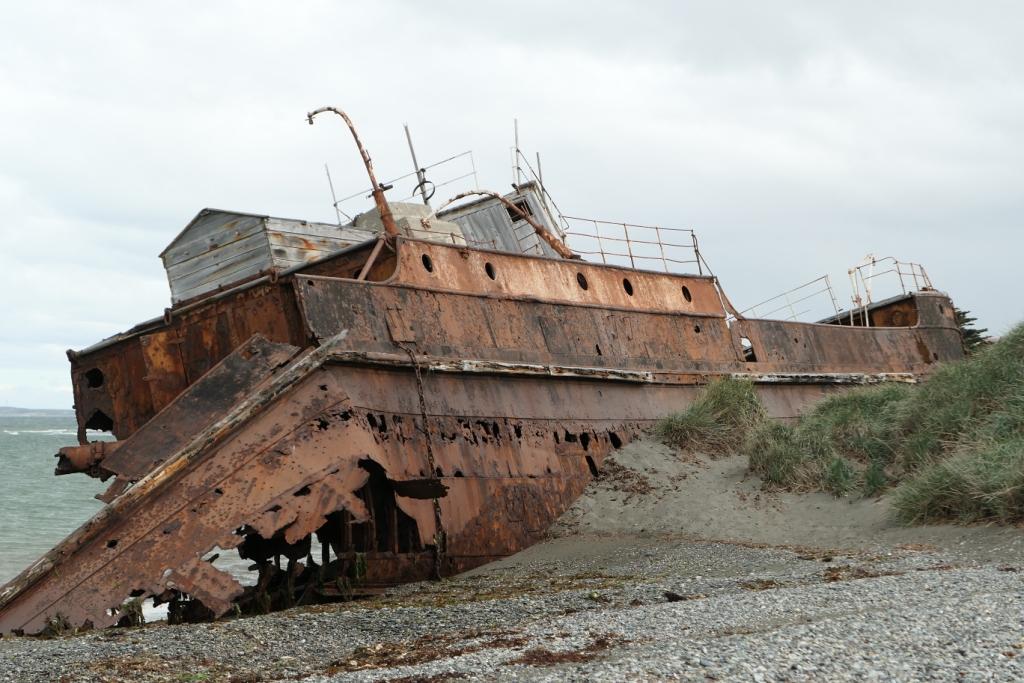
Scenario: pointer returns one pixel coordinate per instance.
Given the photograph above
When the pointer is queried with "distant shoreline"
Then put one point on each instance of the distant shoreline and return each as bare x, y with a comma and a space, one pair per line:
10, 411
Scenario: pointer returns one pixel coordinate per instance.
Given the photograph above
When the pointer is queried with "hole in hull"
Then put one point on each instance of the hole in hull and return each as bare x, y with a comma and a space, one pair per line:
100, 422
748, 350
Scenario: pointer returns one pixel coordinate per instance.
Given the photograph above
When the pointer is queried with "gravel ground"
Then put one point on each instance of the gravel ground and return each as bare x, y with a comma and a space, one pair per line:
608, 605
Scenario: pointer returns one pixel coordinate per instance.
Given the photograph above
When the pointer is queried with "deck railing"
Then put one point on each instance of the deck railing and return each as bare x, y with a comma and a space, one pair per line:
911, 277
648, 247
456, 169
804, 297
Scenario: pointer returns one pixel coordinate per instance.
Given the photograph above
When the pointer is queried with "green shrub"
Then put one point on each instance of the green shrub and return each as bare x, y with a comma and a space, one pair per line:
982, 483
861, 423
953, 444
844, 443
959, 398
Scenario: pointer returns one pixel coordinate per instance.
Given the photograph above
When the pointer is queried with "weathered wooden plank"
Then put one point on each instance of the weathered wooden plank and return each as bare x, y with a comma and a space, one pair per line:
322, 243
282, 254
211, 231
184, 294
219, 248
219, 257
327, 230
246, 265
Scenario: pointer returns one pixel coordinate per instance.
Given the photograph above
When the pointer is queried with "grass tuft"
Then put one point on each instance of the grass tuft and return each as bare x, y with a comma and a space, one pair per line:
718, 421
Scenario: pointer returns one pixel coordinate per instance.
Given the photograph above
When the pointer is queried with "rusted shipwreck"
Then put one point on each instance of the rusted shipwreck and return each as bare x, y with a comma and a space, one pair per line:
407, 396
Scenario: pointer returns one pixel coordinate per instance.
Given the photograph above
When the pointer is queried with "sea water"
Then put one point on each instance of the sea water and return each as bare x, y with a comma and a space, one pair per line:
38, 509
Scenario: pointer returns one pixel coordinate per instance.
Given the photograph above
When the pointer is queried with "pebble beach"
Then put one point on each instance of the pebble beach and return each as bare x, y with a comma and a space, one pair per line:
668, 568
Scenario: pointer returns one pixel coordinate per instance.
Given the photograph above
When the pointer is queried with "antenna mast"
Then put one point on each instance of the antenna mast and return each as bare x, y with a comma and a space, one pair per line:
334, 198
421, 176
516, 170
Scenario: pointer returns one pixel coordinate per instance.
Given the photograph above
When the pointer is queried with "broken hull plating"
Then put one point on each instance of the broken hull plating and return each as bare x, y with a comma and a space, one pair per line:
426, 429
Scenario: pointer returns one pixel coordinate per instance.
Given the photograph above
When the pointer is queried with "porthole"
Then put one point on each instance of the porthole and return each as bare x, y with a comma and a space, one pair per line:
428, 264
489, 269
686, 294
582, 280
627, 285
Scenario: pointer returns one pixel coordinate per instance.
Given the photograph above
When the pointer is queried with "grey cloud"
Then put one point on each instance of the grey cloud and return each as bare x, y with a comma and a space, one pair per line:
795, 137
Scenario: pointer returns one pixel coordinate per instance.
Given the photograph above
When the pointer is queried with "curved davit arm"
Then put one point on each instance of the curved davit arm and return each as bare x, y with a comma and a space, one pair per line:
378, 190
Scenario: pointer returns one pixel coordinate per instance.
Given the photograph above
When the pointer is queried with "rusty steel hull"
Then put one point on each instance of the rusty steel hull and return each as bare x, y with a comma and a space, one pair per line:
412, 413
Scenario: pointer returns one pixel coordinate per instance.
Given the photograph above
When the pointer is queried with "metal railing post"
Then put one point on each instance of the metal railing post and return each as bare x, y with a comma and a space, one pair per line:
899, 274
629, 246
696, 252
832, 295
913, 274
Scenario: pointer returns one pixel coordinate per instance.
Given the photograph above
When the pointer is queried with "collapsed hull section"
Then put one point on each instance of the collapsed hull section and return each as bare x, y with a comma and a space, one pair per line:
476, 471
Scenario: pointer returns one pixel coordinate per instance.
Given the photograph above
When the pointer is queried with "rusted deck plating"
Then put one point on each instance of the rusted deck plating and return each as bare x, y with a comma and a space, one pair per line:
421, 415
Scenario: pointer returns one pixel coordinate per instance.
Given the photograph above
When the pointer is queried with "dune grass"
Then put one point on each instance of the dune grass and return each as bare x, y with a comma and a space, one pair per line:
846, 444
718, 421
950, 448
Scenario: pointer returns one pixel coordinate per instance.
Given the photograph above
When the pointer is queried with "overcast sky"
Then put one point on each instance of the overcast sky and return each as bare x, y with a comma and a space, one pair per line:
794, 137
